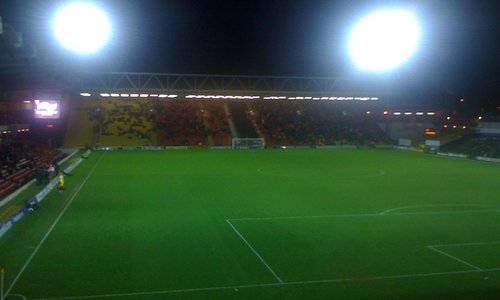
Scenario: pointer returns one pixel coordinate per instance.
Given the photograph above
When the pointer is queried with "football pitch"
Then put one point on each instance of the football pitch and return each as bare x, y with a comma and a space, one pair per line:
262, 224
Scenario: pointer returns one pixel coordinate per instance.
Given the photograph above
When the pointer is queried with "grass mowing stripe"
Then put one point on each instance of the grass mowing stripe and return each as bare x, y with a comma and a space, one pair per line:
218, 288
254, 251
454, 258
73, 196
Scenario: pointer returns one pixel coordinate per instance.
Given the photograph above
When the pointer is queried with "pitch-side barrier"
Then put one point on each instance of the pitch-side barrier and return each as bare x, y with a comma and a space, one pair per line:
33, 202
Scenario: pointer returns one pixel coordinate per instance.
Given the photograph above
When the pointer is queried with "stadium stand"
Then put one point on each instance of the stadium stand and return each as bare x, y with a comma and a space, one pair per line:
310, 123
121, 122
203, 123
22, 160
239, 114
127, 122
81, 124
217, 122
475, 145
181, 123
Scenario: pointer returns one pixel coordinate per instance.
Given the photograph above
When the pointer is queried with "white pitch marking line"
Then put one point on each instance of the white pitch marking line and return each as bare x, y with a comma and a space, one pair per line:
51, 228
302, 217
271, 284
379, 173
436, 205
254, 251
164, 292
455, 258
368, 215
467, 244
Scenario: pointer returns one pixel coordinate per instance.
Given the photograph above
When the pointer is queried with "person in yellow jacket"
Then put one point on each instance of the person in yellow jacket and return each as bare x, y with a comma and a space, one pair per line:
60, 185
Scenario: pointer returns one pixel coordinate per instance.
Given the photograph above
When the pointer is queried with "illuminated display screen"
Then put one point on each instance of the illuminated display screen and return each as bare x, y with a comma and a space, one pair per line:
47, 109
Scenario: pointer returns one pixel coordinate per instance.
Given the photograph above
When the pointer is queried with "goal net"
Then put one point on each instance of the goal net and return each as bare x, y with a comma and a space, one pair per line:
248, 143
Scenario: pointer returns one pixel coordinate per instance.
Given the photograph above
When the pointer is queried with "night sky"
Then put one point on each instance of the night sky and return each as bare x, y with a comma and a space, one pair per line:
459, 56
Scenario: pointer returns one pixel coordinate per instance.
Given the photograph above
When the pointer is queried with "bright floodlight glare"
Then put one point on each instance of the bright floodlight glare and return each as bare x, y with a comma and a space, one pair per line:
82, 27
384, 40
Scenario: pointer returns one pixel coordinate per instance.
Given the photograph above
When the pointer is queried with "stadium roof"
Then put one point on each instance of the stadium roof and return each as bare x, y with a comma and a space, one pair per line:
459, 55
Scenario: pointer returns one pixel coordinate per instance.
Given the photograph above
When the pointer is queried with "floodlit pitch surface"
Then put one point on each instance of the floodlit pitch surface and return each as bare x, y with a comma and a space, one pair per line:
269, 224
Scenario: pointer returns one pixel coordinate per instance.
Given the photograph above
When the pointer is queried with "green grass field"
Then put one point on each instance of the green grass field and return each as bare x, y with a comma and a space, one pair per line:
269, 224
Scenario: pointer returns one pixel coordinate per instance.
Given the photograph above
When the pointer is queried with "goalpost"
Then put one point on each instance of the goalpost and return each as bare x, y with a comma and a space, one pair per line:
248, 143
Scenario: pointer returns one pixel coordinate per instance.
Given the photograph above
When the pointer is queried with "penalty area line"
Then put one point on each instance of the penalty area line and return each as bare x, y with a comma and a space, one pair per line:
454, 258
467, 244
254, 251
448, 212
73, 196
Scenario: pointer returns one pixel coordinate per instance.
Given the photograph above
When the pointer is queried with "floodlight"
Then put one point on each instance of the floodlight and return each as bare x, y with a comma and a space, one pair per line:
82, 27
384, 40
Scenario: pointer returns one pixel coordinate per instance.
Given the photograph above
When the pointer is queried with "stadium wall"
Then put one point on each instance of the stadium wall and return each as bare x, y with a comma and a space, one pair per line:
455, 155
489, 128
406, 130
27, 185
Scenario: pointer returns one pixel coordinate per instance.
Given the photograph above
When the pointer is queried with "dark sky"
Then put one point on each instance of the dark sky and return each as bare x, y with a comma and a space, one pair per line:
460, 51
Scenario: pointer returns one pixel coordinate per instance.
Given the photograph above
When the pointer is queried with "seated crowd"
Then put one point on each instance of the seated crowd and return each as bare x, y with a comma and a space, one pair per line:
193, 123
22, 160
218, 125
310, 123
181, 123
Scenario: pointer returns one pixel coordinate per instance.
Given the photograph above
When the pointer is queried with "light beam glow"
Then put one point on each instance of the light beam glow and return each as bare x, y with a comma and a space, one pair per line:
384, 40
82, 27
